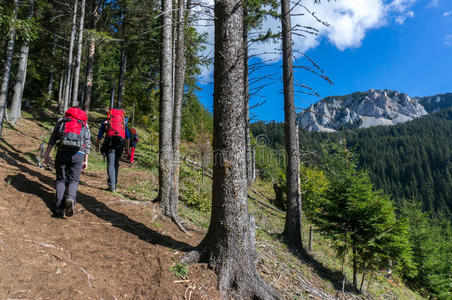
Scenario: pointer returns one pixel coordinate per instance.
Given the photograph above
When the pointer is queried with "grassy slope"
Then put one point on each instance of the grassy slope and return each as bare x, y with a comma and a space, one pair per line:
294, 277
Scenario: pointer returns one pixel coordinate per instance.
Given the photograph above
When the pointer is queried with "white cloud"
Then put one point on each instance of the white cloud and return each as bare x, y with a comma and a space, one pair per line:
350, 21
434, 3
448, 40
447, 13
401, 19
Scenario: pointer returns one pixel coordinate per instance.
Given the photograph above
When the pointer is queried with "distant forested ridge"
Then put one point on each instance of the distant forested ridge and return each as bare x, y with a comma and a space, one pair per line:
412, 159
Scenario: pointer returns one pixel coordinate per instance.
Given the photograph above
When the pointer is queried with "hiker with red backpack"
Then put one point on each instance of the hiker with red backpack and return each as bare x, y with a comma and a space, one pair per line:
72, 137
133, 143
116, 133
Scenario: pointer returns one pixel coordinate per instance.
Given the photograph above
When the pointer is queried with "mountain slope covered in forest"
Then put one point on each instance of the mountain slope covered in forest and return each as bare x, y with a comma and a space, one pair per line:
412, 159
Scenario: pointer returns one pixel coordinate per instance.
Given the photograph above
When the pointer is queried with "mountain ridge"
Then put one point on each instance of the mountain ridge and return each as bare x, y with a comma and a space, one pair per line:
369, 109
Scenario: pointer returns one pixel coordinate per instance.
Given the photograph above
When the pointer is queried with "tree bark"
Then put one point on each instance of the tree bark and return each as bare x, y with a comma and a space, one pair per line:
179, 83
90, 66
166, 112
123, 62
18, 90
246, 91
78, 60
122, 71
60, 89
67, 89
51, 73
311, 238
362, 279
7, 66
228, 246
292, 228
355, 267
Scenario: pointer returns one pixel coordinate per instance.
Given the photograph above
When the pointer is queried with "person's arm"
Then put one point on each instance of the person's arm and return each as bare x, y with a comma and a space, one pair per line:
85, 162
127, 140
86, 146
52, 140
100, 134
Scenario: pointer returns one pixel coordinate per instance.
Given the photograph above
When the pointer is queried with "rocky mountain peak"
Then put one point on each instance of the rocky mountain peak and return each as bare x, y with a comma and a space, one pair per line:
360, 110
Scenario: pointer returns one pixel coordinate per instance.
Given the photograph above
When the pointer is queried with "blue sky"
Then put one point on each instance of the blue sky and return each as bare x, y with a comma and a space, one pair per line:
404, 45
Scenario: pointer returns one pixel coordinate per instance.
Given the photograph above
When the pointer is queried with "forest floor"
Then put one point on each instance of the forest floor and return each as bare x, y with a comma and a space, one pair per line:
117, 246
108, 249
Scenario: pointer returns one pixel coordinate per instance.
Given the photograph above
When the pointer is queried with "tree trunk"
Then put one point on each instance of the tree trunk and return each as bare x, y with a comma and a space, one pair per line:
60, 89
90, 66
50, 85
355, 267
246, 92
79, 55
67, 89
18, 90
179, 83
311, 237
112, 99
292, 228
7, 67
51, 74
166, 111
122, 71
362, 279
228, 246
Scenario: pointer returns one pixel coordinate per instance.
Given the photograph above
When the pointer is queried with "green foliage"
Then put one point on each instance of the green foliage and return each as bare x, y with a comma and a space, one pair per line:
196, 120
355, 216
313, 187
191, 194
432, 248
179, 270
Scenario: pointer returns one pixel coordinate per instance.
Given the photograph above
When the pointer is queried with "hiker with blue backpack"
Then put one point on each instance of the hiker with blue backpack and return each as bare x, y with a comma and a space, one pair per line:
116, 133
72, 138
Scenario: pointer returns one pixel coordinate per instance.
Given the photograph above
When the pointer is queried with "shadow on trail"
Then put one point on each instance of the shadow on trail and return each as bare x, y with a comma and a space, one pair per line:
23, 184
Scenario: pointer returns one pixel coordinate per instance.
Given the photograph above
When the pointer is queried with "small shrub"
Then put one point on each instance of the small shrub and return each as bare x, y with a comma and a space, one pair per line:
179, 270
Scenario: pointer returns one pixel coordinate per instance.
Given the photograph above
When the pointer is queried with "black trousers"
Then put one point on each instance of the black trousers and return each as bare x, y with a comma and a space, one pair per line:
68, 167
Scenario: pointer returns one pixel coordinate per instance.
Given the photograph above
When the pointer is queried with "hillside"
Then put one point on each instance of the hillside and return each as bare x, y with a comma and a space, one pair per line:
116, 246
414, 158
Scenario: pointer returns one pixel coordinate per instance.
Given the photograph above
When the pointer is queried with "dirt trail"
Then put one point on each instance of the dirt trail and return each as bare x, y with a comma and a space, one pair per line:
109, 249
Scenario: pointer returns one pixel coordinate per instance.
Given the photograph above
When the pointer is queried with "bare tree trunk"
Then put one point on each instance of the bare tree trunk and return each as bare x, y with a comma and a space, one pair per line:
166, 112
311, 237
123, 62
51, 73
122, 71
60, 89
112, 100
67, 89
249, 166
228, 246
90, 67
78, 60
355, 267
7, 66
362, 279
18, 90
179, 83
50, 85
292, 228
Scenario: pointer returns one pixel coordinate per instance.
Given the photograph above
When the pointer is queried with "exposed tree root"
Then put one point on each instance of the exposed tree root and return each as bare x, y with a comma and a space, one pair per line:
236, 279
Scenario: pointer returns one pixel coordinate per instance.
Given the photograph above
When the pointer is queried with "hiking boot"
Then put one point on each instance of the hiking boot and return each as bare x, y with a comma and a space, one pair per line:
59, 212
70, 207
112, 188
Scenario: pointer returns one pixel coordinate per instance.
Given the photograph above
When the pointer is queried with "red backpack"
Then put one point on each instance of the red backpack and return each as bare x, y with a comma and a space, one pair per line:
116, 124
72, 128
